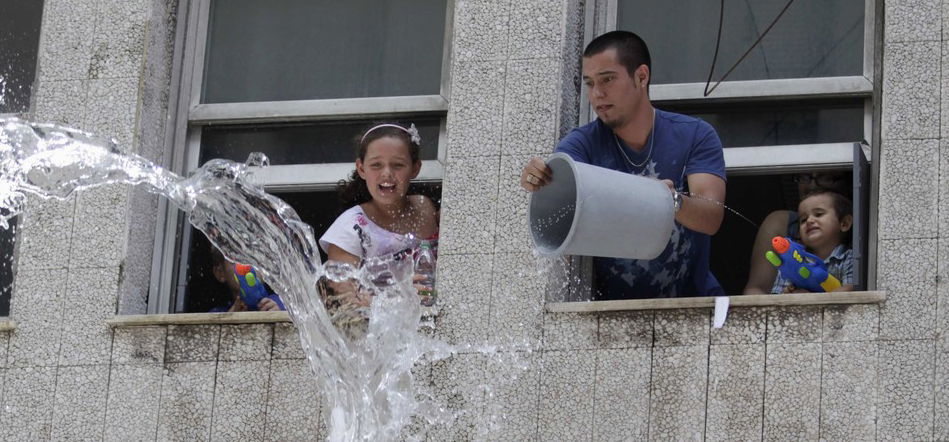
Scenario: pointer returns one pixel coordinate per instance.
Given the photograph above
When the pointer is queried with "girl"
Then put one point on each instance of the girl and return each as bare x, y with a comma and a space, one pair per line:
384, 220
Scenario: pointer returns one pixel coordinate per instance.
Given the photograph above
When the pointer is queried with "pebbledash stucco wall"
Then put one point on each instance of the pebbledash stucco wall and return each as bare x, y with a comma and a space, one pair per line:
877, 371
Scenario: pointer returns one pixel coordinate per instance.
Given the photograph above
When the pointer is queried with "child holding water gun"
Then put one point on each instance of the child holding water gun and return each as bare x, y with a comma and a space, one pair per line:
247, 292
384, 220
825, 221
786, 223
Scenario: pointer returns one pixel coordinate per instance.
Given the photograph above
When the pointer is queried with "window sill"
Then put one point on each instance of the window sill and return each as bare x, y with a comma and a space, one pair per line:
7, 325
709, 302
206, 318
198, 318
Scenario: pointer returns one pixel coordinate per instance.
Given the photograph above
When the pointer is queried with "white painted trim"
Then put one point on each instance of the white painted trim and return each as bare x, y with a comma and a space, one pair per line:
788, 159
311, 110
314, 176
783, 89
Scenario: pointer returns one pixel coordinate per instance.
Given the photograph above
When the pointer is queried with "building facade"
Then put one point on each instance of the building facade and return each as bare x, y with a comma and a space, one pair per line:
91, 347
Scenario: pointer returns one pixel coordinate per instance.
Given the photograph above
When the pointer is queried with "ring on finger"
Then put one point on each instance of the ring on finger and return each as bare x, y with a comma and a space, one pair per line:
531, 179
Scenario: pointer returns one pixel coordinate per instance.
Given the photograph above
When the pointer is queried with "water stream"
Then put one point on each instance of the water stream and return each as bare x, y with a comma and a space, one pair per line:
366, 381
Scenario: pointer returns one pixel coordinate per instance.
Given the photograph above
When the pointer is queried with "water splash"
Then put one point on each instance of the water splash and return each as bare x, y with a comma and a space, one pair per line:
716, 202
364, 374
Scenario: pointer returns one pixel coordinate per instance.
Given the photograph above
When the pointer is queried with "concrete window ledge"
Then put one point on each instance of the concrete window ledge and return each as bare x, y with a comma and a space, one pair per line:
210, 318
709, 302
7, 324
198, 318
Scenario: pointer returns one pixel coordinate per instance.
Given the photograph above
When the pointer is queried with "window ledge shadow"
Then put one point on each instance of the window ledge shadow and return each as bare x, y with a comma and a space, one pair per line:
7, 324
206, 318
867, 297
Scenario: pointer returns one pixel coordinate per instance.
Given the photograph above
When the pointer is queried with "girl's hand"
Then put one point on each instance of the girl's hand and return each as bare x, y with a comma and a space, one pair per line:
416, 282
419, 288
352, 299
361, 298
792, 289
268, 305
237, 306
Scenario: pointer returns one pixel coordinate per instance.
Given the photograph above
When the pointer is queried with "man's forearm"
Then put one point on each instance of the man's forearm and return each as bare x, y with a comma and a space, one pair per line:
700, 214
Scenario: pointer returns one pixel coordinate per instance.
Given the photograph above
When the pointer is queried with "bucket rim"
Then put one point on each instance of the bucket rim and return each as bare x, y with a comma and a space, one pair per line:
546, 251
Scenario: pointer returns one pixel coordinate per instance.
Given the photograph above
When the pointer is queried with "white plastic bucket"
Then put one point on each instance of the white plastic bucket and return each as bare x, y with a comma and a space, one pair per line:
594, 211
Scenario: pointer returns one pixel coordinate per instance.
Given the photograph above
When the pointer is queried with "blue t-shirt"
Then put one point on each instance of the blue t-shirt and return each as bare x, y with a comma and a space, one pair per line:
682, 145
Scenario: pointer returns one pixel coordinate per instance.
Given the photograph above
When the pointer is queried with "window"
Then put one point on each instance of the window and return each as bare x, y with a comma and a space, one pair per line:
298, 81
19, 43
19, 40
800, 101
7, 248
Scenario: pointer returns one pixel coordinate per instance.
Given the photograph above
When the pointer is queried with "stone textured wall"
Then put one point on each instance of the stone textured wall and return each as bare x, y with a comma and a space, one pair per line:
57, 362
835, 373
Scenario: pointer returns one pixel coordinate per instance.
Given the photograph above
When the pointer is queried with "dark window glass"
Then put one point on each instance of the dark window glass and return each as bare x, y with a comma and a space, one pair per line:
302, 143
781, 123
19, 40
7, 247
318, 209
812, 39
319, 49
754, 197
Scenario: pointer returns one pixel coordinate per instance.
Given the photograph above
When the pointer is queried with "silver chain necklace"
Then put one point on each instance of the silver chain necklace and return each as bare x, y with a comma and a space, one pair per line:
652, 138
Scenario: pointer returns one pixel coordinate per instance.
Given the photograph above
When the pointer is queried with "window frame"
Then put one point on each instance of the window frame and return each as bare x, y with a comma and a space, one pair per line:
5, 324
14, 261
36, 66
183, 138
860, 86
601, 17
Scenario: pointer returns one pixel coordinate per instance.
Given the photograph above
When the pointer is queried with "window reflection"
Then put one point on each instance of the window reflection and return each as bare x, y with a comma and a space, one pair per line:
812, 39
782, 123
19, 41
321, 49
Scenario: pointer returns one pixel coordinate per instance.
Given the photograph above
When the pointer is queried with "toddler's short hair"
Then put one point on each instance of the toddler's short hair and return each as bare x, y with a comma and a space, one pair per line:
842, 204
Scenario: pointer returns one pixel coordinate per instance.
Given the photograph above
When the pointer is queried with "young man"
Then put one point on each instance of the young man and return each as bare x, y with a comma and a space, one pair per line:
631, 136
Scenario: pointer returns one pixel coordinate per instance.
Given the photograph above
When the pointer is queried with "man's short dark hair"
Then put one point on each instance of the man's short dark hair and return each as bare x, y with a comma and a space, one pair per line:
630, 49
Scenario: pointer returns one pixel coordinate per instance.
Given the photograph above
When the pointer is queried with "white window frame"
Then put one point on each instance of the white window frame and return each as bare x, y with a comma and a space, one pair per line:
601, 17
183, 138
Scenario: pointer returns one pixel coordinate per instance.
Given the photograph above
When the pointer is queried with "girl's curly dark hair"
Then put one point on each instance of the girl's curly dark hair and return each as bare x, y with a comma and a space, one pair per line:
354, 190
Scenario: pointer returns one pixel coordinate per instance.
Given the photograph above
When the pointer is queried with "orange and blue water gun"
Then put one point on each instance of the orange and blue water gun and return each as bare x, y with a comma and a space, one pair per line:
252, 289
804, 270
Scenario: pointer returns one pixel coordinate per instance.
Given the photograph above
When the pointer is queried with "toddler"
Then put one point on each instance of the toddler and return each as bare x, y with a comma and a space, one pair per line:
826, 218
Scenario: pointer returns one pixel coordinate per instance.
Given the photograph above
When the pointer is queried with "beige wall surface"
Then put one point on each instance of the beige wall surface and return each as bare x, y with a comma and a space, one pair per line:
856, 372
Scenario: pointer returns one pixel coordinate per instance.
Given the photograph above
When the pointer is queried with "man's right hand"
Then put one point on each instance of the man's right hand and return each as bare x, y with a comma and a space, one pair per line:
536, 174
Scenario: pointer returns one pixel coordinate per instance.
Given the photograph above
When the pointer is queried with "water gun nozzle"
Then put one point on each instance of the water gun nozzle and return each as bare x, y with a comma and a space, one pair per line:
780, 244
242, 269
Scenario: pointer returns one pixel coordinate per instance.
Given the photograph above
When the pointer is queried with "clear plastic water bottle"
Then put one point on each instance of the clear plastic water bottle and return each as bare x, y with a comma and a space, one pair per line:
425, 267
